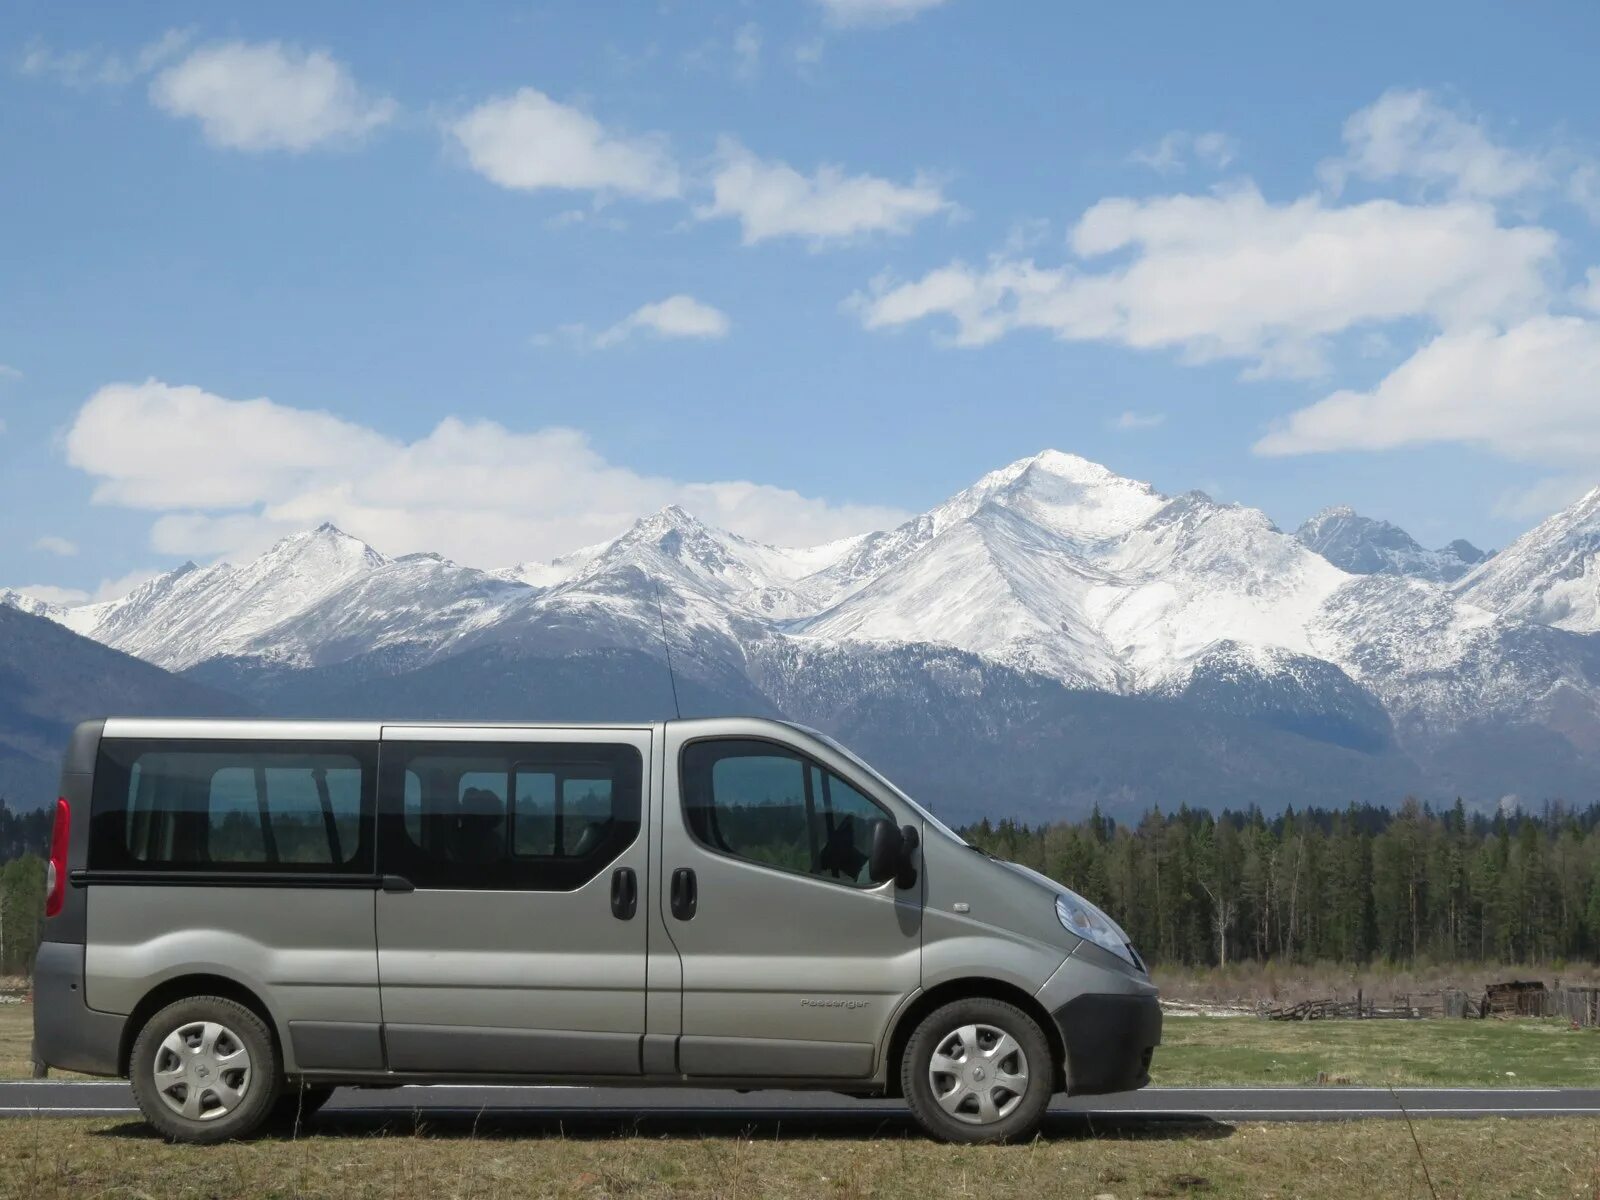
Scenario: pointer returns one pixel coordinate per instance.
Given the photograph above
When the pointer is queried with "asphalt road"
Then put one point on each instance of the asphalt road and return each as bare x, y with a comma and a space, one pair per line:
576, 1109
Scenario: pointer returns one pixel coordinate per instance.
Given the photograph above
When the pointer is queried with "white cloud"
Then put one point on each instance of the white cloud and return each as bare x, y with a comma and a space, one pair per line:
155, 446
1132, 422
1583, 188
1412, 135
527, 141
83, 68
747, 52
132, 438
849, 13
1231, 275
269, 96
679, 316
1174, 152
807, 54
7, 372
1528, 392
1587, 293
771, 199
1538, 500
51, 544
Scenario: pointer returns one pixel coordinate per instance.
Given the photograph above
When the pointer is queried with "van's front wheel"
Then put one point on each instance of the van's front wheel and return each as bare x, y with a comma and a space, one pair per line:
204, 1070
978, 1070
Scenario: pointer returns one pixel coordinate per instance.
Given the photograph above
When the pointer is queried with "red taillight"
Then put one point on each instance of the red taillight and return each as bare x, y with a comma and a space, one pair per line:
55, 879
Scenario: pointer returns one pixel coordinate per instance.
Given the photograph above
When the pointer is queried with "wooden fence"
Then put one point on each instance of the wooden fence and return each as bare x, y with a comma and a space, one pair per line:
1579, 1005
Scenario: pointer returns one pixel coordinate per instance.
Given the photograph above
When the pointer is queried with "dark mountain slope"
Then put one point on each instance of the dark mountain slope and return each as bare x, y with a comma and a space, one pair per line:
50, 679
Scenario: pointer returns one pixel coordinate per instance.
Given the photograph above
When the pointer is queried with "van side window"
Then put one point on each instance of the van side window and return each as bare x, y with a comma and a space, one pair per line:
537, 817
232, 806
770, 805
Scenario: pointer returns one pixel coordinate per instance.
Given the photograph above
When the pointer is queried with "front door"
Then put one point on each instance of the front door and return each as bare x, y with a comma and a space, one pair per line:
511, 934
793, 960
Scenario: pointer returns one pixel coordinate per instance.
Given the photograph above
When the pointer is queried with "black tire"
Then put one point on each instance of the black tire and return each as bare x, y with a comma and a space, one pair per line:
256, 1087
1018, 1113
297, 1104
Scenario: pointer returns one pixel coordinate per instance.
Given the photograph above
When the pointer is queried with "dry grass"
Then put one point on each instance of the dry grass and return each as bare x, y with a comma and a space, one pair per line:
71, 1159
1250, 983
16, 1039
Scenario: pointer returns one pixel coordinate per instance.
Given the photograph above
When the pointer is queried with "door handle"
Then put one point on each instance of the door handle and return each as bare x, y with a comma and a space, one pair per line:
396, 883
624, 893
685, 894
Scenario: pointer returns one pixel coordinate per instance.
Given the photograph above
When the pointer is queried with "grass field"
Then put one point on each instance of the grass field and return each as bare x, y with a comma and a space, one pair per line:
734, 1158
1217, 1050
71, 1159
1522, 1053
16, 1036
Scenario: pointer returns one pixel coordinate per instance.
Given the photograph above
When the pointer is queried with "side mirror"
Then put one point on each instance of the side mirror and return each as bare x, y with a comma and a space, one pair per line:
909, 841
892, 854
888, 852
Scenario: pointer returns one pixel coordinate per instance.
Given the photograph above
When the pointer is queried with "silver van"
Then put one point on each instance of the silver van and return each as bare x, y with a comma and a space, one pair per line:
244, 914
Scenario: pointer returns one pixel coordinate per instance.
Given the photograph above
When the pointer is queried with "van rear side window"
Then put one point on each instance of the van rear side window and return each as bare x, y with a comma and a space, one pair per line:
545, 817
233, 806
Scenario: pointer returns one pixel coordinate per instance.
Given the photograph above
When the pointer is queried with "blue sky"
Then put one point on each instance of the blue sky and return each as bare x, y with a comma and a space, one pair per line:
492, 278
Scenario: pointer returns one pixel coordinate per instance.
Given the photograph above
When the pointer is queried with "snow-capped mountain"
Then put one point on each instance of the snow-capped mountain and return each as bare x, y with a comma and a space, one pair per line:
194, 613
11, 598
1052, 605
1550, 574
1364, 546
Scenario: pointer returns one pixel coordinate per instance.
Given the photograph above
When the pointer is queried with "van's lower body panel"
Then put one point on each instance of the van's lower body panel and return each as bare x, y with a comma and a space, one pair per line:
1110, 1040
536, 1051
743, 1056
67, 1033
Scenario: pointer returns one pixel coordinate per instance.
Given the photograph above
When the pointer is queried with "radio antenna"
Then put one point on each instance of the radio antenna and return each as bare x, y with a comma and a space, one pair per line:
666, 644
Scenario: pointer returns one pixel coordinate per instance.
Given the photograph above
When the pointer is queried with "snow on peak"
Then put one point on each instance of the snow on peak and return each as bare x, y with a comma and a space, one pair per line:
1073, 497
194, 613
673, 544
1366, 546
34, 607
1052, 564
1551, 574
327, 544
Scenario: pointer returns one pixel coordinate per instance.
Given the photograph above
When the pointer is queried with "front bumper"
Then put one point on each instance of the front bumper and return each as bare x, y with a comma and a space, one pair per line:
1110, 1040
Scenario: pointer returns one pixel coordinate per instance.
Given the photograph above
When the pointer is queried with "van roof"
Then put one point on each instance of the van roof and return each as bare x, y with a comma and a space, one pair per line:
315, 729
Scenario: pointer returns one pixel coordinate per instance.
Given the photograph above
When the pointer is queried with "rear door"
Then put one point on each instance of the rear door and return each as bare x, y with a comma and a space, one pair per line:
793, 960
511, 938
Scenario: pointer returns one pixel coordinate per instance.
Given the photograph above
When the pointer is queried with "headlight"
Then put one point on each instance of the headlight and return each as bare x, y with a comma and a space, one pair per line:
1088, 922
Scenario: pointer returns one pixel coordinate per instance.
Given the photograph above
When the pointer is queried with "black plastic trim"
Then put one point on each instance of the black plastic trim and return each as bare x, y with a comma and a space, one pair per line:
1109, 1040
336, 1045
236, 879
67, 1033
429, 1048
777, 1057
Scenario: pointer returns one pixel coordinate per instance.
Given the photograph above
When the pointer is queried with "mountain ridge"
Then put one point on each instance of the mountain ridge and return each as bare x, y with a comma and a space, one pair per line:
1051, 577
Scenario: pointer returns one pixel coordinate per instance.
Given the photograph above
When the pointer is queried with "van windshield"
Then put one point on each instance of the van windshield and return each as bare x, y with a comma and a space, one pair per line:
874, 773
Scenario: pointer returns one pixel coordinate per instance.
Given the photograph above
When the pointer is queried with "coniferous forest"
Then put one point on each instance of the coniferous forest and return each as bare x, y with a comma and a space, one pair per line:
1355, 886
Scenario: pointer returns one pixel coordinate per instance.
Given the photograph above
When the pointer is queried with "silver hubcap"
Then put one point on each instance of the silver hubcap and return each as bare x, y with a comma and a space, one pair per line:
979, 1074
202, 1071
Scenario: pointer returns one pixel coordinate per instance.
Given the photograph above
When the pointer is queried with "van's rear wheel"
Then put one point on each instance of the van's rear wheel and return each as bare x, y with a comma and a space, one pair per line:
204, 1070
978, 1070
